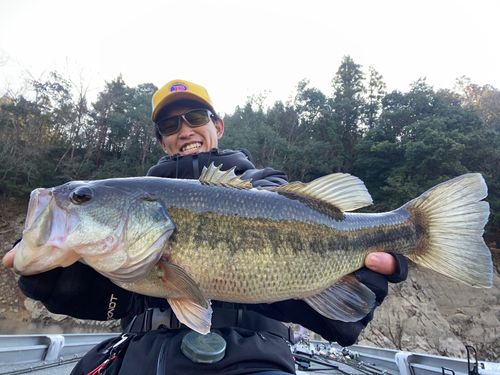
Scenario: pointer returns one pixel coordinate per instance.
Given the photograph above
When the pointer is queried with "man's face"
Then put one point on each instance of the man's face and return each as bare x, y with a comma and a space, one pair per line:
187, 140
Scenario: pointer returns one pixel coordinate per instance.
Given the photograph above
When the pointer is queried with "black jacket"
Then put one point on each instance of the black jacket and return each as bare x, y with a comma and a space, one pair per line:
191, 166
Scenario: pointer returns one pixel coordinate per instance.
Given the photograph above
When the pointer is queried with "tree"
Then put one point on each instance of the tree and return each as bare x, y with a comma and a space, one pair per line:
484, 99
311, 148
375, 92
80, 118
108, 115
421, 139
247, 128
348, 107
131, 147
31, 129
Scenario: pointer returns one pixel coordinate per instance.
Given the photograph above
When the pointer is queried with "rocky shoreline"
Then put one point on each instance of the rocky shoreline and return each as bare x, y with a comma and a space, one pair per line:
433, 314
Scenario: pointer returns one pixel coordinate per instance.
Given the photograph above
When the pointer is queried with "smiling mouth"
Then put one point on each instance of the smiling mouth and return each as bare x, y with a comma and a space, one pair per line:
191, 147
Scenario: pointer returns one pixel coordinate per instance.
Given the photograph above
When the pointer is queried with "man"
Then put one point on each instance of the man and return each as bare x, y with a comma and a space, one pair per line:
188, 130
191, 142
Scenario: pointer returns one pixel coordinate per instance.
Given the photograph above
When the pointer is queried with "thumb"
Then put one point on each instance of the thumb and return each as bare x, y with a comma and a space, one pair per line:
381, 262
8, 259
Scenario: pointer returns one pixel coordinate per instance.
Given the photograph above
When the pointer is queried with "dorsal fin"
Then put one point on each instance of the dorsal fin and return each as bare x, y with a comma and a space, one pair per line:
213, 176
341, 190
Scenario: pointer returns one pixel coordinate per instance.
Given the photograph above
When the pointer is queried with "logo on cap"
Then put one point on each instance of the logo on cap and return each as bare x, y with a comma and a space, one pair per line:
178, 87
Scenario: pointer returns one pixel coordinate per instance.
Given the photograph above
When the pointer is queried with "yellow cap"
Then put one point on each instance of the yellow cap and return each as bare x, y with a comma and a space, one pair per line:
179, 90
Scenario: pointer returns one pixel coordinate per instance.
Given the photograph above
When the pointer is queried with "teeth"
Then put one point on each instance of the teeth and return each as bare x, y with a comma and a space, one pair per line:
191, 147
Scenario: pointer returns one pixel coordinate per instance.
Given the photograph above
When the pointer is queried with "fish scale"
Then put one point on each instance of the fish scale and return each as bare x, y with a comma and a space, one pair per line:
276, 245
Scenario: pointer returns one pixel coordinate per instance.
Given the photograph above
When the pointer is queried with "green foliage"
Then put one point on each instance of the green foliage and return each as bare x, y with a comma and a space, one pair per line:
281, 136
422, 138
485, 100
375, 93
51, 136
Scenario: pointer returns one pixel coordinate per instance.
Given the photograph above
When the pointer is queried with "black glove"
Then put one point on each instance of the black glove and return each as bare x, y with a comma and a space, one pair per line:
402, 269
78, 291
343, 333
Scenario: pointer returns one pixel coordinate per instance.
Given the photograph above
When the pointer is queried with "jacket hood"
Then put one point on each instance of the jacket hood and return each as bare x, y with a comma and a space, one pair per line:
191, 166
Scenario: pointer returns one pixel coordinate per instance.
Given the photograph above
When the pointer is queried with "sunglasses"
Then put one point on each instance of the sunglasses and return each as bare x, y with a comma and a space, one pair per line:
194, 118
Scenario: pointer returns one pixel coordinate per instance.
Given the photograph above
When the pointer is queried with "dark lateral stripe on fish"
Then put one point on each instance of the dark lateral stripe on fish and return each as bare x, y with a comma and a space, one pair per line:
209, 229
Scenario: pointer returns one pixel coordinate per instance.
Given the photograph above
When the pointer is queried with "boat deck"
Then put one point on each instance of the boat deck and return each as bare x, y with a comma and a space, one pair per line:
58, 354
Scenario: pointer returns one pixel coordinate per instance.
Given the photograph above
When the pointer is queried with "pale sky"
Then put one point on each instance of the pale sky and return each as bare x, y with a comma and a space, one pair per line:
237, 48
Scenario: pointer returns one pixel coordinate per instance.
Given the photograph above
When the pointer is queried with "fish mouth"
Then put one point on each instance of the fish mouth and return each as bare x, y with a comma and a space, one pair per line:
42, 246
31, 261
39, 200
191, 148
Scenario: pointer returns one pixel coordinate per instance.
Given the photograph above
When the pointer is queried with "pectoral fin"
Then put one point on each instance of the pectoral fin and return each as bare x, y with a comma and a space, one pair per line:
194, 316
347, 300
166, 280
175, 278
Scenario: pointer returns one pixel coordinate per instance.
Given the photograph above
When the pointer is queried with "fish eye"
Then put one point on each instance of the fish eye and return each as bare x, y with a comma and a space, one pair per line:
81, 195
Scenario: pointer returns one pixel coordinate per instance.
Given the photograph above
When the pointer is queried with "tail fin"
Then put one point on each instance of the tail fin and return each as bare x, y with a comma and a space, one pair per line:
454, 217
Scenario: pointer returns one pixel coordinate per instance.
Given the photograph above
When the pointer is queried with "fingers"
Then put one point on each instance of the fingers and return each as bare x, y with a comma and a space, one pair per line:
381, 262
8, 259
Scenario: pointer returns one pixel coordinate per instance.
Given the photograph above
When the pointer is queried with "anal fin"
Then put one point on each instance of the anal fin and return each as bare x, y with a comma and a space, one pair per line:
347, 300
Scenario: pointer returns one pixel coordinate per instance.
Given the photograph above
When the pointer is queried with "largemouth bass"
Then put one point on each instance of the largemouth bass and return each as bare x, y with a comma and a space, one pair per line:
218, 238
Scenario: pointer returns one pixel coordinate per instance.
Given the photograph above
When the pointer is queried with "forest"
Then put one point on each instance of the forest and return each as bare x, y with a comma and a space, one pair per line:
398, 143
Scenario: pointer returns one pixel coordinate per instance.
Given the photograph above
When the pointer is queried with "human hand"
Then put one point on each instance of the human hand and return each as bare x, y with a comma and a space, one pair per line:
394, 266
383, 263
8, 259
77, 290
